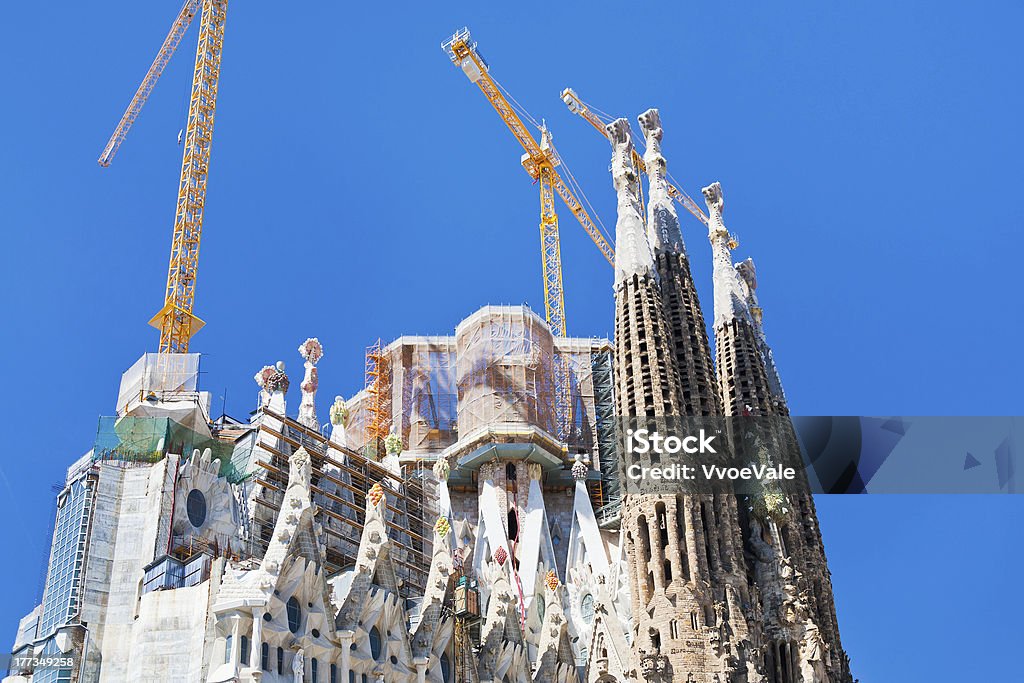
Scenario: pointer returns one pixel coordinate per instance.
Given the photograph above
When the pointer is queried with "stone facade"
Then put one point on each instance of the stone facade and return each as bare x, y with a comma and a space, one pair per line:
724, 589
487, 543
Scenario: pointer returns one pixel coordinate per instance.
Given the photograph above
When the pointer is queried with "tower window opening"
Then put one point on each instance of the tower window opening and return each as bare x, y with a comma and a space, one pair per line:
587, 608
513, 523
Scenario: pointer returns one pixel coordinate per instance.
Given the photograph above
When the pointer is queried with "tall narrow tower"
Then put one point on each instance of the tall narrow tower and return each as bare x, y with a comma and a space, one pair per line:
684, 552
645, 371
688, 335
742, 379
794, 623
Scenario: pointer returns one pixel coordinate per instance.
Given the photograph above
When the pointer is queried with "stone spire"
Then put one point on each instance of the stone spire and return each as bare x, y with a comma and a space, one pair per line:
645, 370
794, 611
669, 562
632, 251
742, 380
689, 336
311, 352
748, 272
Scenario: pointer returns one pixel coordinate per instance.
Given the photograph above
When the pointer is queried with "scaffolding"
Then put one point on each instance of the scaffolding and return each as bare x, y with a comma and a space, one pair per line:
378, 390
341, 478
505, 370
158, 376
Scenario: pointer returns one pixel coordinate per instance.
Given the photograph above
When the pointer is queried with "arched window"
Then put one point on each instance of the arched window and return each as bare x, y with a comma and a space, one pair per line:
540, 607
587, 608
375, 643
315, 670
280, 661
334, 673
227, 649
265, 656
294, 614
510, 471
351, 676
513, 524
244, 657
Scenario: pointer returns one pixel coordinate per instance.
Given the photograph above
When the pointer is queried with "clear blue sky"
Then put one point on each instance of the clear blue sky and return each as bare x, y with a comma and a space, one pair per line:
361, 187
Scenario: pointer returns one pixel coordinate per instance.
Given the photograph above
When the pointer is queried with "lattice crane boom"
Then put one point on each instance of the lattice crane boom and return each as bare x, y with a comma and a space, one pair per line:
175, 320
578, 106
177, 32
540, 162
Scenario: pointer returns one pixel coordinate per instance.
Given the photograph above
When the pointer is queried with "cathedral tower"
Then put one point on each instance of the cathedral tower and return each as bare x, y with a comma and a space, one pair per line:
684, 554
689, 337
793, 621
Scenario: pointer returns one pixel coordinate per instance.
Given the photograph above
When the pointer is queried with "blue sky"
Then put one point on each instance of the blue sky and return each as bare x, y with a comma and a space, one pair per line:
870, 157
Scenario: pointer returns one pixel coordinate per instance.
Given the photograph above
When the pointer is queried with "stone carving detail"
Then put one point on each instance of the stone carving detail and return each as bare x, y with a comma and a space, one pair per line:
632, 251
393, 442
272, 379
580, 467
812, 655
311, 352
298, 666
300, 469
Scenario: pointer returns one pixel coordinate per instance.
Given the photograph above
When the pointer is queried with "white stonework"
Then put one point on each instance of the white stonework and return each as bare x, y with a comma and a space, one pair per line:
663, 231
730, 289
632, 251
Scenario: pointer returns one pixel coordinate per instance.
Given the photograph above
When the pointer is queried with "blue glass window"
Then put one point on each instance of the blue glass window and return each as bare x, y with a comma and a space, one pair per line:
67, 556
195, 506
294, 614
375, 643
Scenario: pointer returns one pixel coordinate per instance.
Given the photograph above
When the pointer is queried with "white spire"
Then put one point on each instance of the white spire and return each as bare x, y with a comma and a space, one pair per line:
730, 290
663, 231
632, 251
311, 351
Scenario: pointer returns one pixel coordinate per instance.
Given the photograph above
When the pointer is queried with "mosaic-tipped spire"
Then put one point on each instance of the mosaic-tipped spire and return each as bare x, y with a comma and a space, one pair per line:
311, 351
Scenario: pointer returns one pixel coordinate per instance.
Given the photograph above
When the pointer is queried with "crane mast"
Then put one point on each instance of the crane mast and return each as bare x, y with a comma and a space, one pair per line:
578, 106
540, 161
176, 321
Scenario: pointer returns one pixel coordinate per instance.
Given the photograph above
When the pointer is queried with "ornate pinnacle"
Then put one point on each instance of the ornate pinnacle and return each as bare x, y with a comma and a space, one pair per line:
579, 467
272, 378
339, 412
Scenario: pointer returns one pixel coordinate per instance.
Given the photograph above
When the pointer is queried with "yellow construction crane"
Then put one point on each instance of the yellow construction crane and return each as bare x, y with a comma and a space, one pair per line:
578, 106
540, 161
175, 320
